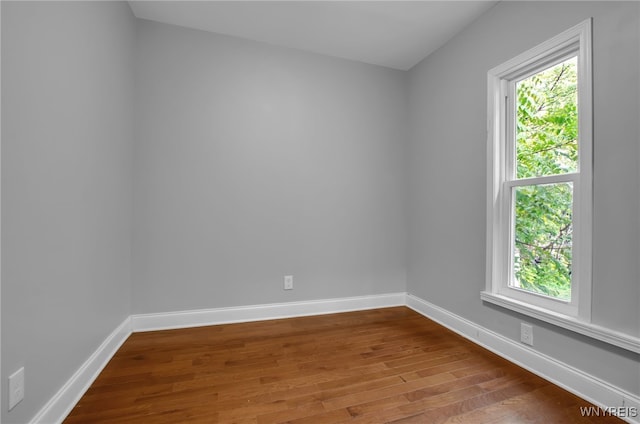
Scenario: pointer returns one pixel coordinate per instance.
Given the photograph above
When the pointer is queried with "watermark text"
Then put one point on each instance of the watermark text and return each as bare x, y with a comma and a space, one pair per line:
616, 411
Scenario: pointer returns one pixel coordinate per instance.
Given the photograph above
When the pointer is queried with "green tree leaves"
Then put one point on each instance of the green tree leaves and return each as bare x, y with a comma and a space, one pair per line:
546, 144
543, 241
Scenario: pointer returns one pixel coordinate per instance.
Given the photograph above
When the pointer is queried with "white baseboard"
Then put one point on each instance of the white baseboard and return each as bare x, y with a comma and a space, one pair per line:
61, 404
196, 318
569, 378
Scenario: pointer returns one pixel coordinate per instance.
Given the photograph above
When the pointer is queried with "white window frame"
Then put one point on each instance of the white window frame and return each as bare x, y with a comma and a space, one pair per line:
502, 79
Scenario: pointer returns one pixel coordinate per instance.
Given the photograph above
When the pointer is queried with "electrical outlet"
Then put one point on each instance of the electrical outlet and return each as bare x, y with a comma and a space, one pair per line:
288, 282
16, 388
526, 333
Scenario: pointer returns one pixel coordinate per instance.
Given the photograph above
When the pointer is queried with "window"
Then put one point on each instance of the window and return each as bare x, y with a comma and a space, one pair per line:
540, 179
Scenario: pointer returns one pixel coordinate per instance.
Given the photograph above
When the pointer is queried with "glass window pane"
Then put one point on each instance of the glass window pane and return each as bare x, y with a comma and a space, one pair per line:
547, 122
542, 242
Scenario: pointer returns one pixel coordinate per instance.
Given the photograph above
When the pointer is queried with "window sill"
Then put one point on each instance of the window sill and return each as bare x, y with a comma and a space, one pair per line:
616, 338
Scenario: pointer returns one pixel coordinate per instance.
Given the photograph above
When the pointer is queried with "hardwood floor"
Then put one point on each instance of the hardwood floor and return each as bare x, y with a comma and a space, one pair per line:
387, 365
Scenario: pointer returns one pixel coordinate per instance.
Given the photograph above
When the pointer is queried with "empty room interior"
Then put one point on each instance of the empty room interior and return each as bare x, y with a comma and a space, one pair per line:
320, 212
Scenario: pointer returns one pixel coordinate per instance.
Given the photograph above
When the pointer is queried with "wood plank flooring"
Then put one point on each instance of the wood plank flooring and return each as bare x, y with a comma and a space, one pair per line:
388, 365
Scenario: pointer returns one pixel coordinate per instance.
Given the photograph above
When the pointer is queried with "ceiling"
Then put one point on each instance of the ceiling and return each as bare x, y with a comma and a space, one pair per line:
395, 34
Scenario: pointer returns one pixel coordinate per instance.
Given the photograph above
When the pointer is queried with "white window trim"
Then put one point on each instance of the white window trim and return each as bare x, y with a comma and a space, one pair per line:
575, 315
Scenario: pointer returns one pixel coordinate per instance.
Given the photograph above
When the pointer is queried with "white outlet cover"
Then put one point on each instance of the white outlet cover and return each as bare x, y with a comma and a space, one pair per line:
288, 282
16, 388
526, 334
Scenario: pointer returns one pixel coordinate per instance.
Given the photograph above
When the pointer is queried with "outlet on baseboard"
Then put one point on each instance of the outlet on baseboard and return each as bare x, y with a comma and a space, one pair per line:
288, 282
526, 333
16, 388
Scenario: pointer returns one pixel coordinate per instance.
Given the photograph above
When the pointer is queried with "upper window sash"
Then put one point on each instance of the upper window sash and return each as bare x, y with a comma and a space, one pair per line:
510, 116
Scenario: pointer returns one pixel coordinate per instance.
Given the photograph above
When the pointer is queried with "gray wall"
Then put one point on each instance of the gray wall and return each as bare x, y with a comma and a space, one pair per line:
447, 175
252, 162
67, 129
